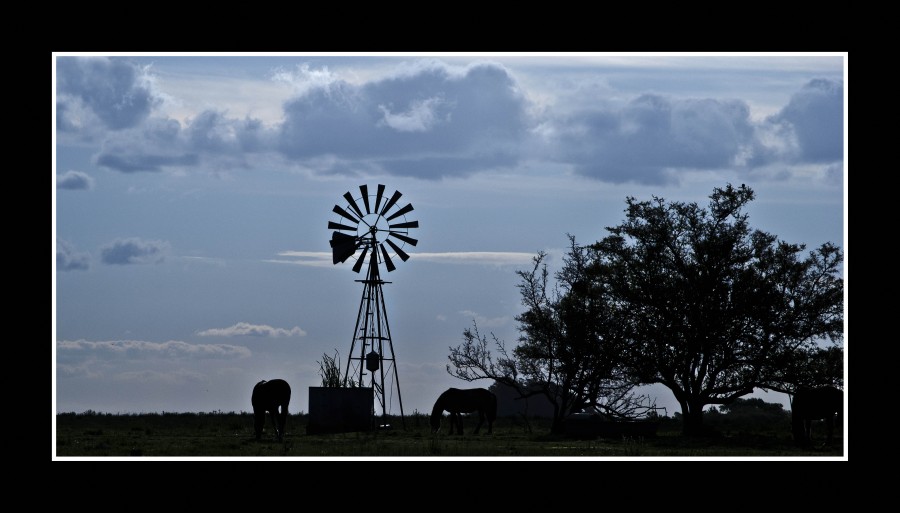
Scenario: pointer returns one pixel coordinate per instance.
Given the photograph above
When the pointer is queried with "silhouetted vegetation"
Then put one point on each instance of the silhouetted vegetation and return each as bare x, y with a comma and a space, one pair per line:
688, 297
330, 372
754, 429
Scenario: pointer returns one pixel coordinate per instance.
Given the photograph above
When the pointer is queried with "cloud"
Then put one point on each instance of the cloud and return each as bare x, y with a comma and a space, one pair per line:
83, 369
304, 78
156, 144
306, 258
134, 251
210, 138
70, 259
485, 322
213, 132
421, 116
65, 121
496, 258
651, 136
74, 180
115, 91
430, 120
172, 349
427, 120
243, 329
809, 129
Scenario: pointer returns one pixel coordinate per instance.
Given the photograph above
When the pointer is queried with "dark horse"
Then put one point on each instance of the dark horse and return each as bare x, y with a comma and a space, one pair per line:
458, 401
811, 404
268, 396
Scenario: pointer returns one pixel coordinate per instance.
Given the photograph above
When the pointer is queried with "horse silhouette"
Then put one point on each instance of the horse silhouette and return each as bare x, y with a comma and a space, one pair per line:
811, 404
268, 396
458, 401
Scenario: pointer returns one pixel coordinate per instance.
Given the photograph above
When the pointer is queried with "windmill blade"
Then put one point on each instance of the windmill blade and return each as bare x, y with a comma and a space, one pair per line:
391, 202
352, 203
337, 226
378, 196
402, 254
411, 224
409, 240
364, 189
387, 259
343, 213
342, 247
407, 208
358, 265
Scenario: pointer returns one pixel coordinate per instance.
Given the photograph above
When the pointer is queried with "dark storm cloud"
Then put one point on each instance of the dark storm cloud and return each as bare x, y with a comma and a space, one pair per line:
427, 121
816, 116
652, 134
134, 251
70, 259
114, 90
74, 181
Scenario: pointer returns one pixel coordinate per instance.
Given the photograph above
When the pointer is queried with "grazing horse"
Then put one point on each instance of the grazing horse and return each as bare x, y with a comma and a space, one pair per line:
811, 404
458, 401
268, 396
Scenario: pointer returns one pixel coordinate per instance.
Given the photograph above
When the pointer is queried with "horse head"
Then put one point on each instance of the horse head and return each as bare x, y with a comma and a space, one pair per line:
436, 422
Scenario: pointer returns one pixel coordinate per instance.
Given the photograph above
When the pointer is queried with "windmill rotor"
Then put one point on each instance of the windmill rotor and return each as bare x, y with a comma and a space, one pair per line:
374, 224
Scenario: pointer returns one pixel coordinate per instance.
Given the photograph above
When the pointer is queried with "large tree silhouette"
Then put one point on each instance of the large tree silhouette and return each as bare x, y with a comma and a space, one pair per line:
713, 308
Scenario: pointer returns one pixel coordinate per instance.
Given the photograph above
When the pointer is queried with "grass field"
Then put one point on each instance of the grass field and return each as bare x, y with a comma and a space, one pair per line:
217, 434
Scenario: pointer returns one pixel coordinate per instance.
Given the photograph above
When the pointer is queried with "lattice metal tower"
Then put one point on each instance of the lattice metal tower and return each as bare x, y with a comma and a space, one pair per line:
372, 359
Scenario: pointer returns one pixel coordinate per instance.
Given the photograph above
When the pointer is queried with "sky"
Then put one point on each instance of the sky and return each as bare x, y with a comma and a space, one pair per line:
192, 194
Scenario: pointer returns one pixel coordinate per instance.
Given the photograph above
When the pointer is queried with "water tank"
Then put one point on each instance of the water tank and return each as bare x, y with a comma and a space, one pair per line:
372, 360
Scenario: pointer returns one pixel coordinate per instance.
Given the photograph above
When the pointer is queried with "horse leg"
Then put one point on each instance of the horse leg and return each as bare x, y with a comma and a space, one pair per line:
480, 421
259, 420
273, 415
459, 422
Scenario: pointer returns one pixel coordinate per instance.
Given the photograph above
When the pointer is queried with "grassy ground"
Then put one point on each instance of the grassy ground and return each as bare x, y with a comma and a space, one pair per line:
210, 435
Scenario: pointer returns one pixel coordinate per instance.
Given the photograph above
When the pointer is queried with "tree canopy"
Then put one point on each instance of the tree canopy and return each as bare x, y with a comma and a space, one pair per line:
715, 309
688, 297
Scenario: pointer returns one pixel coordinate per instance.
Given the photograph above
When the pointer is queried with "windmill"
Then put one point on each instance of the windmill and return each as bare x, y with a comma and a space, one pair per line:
376, 229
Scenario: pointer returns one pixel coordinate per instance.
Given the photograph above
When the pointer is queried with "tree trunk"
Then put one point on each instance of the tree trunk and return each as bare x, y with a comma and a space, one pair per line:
557, 428
692, 412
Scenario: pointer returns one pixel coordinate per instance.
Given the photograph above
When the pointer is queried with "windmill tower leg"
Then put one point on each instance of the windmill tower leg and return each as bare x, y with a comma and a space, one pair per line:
369, 362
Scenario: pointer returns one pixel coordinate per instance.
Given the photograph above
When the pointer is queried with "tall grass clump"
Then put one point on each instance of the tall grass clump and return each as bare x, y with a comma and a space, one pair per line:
330, 371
